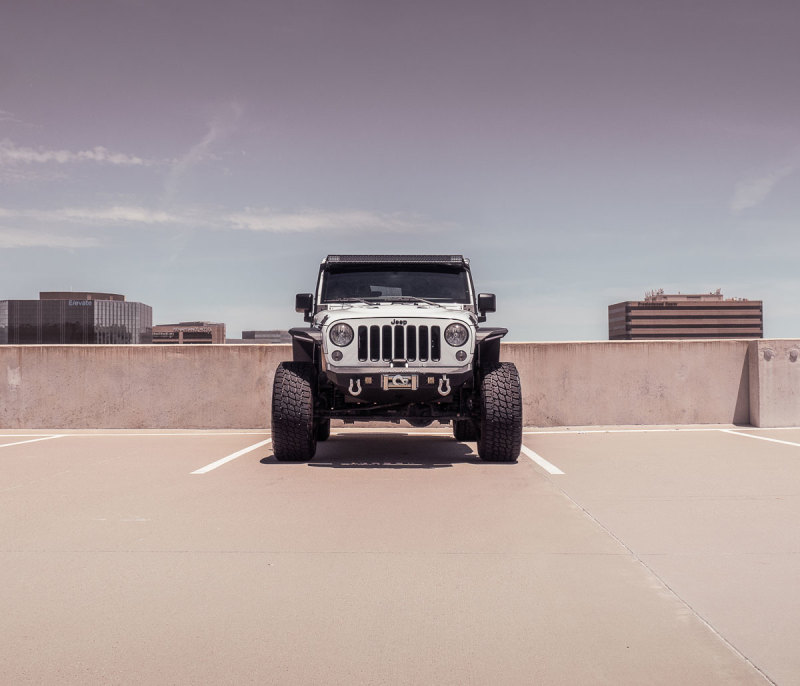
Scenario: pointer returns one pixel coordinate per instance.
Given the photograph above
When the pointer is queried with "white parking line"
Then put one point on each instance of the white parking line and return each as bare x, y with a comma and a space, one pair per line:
33, 440
225, 460
760, 438
538, 459
177, 433
574, 432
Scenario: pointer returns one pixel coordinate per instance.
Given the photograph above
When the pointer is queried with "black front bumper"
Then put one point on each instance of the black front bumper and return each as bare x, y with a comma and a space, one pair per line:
400, 385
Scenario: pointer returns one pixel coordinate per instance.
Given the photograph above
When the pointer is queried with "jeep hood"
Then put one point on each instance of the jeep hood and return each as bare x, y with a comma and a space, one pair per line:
348, 312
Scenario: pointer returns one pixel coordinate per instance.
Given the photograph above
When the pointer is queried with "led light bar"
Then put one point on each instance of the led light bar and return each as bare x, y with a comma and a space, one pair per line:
396, 259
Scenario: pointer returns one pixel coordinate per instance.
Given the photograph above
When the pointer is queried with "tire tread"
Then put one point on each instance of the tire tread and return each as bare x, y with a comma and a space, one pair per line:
500, 431
293, 435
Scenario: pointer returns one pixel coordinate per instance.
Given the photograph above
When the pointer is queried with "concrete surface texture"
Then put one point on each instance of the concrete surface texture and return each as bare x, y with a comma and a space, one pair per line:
633, 382
133, 386
564, 384
398, 557
775, 383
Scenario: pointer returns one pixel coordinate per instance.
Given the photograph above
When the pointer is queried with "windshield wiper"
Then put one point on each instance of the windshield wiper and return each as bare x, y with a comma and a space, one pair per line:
366, 301
374, 299
408, 299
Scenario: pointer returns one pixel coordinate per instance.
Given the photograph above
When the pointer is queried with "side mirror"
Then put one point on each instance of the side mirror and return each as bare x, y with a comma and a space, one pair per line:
486, 303
304, 302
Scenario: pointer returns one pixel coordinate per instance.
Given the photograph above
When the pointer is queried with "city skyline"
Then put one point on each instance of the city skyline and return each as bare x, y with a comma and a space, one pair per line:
204, 159
86, 297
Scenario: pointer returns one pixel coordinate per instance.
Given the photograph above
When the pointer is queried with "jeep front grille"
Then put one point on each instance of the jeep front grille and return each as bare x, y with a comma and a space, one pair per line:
399, 342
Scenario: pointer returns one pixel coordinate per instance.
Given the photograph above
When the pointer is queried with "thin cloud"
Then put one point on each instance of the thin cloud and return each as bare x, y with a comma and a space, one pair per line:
19, 238
752, 192
6, 116
116, 215
16, 173
219, 128
316, 221
103, 215
10, 153
264, 220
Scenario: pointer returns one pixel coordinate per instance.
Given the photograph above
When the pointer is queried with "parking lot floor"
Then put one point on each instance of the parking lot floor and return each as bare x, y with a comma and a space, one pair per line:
616, 556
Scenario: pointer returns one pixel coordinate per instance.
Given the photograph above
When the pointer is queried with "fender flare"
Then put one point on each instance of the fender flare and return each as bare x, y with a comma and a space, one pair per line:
488, 344
305, 342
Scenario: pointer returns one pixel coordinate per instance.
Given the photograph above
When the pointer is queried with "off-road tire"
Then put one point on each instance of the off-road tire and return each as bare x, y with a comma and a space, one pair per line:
500, 431
323, 429
465, 430
293, 436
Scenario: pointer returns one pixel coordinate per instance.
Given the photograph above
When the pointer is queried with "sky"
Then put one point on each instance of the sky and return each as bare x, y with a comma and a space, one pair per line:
202, 157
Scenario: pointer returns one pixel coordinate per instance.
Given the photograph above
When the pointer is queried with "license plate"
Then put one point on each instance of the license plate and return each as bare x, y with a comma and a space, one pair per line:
405, 382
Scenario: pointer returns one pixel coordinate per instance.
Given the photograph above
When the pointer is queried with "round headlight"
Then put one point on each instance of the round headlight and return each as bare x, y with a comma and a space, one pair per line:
456, 335
341, 334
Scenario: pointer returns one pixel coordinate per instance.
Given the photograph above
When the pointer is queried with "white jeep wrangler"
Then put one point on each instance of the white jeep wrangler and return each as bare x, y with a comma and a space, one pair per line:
396, 337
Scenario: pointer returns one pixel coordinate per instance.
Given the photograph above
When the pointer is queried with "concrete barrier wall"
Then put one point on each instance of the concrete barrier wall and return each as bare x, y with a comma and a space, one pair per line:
137, 386
564, 384
633, 382
775, 383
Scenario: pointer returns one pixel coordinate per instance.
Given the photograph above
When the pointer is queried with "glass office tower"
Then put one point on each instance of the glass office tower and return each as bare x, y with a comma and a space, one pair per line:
3, 322
79, 320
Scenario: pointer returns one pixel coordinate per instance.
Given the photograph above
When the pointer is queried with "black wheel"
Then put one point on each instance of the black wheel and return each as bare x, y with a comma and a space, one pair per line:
323, 429
500, 431
293, 435
419, 422
465, 430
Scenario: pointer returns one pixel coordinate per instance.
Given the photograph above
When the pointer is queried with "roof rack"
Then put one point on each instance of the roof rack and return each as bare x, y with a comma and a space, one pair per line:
396, 259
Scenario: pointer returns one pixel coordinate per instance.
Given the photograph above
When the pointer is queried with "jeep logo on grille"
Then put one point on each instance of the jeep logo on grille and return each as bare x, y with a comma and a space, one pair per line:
399, 322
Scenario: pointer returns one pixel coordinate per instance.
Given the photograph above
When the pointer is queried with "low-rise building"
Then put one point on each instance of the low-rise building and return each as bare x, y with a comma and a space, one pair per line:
669, 316
189, 333
68, 317
271, 336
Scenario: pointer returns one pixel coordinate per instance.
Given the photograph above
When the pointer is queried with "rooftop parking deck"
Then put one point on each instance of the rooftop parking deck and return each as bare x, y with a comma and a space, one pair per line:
608, 555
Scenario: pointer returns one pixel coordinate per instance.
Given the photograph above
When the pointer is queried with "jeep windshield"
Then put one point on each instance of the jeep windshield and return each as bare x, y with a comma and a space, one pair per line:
389, 284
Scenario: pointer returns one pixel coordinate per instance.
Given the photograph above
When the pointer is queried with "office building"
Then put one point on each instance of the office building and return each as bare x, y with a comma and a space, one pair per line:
667, 316
59, 318
272, 336
189, 333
